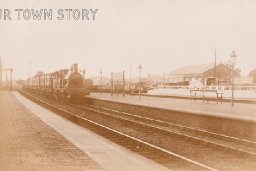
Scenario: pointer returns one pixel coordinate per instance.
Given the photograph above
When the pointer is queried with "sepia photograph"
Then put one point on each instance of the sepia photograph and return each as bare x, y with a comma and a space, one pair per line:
130, 85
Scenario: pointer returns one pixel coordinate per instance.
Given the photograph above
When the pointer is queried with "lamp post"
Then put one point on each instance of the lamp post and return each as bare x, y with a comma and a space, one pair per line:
0, 73
101, 81
140, 68
163, 79
11, 70
29, 69
83, 71
233, 62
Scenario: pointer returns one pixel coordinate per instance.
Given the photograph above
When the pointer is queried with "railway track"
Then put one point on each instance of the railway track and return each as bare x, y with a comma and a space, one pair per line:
224, 141
214, 150
175, 146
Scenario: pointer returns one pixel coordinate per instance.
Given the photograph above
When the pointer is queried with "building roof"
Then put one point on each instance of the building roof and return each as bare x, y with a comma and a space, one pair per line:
193, 69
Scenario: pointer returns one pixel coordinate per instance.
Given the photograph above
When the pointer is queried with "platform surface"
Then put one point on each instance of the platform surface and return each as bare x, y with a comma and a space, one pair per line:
239, 110
89, 150
26, 143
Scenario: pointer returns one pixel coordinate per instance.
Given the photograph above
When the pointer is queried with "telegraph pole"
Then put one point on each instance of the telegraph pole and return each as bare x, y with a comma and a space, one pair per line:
112, 84
233, 62
130, 77
140, 68
101, 81
123, 83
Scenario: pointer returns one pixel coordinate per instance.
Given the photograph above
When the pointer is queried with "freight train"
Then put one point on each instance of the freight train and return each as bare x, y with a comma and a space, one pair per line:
64, 84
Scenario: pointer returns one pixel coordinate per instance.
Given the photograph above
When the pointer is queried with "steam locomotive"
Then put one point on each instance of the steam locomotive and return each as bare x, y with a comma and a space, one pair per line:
65, 84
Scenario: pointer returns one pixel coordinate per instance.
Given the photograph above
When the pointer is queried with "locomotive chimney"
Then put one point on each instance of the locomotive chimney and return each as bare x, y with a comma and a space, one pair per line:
75, 68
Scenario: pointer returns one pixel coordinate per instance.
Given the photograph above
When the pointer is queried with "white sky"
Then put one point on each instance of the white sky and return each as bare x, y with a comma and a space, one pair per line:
162, 35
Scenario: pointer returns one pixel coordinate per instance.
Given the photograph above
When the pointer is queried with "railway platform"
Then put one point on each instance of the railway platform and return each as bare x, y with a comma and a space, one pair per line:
33, 138
238, 111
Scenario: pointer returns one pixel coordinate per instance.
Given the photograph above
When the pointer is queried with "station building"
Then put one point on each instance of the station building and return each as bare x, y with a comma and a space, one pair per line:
207, 74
